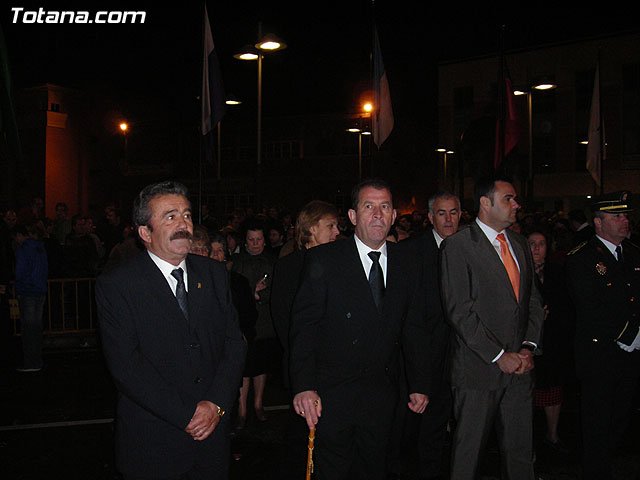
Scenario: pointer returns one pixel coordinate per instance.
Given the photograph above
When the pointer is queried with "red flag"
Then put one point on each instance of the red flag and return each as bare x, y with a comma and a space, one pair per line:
511, 127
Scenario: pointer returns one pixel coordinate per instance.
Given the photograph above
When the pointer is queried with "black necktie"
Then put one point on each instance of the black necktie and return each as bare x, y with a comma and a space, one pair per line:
181, 292
376, 279
619, 254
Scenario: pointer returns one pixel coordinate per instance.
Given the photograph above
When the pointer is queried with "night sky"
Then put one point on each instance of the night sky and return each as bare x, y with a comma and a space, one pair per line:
324, 69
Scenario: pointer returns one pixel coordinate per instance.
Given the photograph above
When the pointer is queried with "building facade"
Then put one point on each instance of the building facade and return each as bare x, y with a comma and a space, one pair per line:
549, 160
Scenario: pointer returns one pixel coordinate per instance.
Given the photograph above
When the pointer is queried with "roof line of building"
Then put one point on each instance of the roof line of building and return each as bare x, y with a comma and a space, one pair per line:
541, 47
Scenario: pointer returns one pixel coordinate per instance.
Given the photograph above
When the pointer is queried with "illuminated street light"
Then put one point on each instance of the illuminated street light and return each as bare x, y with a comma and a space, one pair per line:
545, 86
232, 100
247, 52
124, 127
271, 43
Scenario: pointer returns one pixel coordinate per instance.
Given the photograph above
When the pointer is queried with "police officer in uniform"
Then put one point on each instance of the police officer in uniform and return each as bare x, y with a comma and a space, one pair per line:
604, 282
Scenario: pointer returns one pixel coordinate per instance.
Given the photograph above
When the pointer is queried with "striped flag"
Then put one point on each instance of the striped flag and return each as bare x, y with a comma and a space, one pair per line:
212, 88
596, 152
383, 113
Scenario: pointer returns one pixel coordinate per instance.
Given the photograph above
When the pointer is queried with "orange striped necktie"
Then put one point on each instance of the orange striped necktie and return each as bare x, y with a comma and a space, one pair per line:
510, 265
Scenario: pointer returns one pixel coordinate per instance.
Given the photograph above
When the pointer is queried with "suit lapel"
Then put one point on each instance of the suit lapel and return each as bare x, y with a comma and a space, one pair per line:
159, 291
394, 277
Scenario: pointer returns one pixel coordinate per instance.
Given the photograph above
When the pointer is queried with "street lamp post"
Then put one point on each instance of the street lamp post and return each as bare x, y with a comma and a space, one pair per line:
445, 173
231, 100
266, 43
542, 86
124, 128
360, 131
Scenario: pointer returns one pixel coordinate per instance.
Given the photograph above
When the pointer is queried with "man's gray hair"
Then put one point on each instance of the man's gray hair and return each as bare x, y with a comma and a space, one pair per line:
444, 195
141, 210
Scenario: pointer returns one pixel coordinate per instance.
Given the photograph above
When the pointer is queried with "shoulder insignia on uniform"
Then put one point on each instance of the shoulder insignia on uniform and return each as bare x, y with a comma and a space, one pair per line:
577, 248
601, 268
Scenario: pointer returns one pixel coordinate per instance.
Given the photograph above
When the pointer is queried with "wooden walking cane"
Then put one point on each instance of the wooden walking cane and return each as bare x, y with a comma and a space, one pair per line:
312, 436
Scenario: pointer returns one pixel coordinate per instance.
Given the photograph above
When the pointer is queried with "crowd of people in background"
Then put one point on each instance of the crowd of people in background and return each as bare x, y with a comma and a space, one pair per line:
80, 246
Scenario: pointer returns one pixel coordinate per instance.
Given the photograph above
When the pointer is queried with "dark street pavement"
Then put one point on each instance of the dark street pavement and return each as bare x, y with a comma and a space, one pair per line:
58, 424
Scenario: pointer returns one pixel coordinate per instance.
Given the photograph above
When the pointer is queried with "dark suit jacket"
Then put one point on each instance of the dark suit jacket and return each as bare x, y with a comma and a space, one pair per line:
163, 366
287, 274
481, 306
423, 248
343, 347
607, 299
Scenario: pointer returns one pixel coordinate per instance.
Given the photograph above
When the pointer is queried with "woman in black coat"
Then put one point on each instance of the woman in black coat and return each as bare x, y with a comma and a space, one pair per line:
551, 359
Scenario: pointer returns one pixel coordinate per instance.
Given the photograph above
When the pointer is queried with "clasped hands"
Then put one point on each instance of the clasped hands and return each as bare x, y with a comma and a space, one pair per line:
204, 420
516, 362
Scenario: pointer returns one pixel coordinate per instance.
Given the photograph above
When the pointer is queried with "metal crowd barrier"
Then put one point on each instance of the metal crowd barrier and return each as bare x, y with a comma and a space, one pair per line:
70, 307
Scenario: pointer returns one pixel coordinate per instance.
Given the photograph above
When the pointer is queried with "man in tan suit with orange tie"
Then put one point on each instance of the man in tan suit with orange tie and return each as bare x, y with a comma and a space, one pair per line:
490, 299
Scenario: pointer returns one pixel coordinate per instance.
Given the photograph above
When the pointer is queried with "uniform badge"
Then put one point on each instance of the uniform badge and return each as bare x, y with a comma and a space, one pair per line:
601, 268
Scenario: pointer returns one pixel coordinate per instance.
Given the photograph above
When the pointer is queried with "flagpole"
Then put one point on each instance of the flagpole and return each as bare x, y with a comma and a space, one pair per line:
372, 82
596, 148
204, 13
602, 132
499, 154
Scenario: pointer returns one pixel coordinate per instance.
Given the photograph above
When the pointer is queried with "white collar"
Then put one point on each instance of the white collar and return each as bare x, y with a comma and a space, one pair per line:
488, 231
437, 236
610, 246
363, 248
166, 268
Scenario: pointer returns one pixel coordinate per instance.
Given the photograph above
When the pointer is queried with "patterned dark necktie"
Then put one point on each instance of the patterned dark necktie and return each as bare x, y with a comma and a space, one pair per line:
181, 292
376, 279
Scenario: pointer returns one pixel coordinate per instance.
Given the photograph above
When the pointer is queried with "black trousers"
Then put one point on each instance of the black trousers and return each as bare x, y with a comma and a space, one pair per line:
354, 450
432, 434
606, 403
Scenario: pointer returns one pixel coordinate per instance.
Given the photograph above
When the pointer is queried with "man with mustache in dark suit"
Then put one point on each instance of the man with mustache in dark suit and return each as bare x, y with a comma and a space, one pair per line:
172, 343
